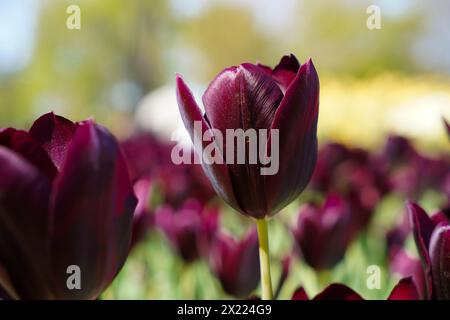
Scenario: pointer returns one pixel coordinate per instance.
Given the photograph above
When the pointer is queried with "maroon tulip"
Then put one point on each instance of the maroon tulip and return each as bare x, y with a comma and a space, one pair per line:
334, 291
66, 199
189, 229
397, 151
145, 154
179, 183
257, 97
404, 290
432, 236
143, 218
323, 233
149, 158
236, 263
353, 174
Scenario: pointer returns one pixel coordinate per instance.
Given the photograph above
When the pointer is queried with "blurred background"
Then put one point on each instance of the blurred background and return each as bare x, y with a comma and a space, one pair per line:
119, 67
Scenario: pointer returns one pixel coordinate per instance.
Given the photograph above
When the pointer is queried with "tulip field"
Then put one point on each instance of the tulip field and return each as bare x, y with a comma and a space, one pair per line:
384, 243
188, 150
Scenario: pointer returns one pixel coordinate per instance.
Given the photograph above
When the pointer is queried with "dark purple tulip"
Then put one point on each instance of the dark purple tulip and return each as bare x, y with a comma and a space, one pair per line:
149, 158
328, 159
179, 183
66, 199
322, 233
403, 166
143, 218
432, 236
285, 270
353, 174
145, 154
404, 290
334, 291
257, 97
189, 229
398, 150
236, 263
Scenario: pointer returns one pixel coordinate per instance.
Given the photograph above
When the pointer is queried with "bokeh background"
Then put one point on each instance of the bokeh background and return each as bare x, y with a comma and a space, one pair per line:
120, 68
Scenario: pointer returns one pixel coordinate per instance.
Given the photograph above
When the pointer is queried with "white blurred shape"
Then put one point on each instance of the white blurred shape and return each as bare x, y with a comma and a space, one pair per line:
420, 117
158, 112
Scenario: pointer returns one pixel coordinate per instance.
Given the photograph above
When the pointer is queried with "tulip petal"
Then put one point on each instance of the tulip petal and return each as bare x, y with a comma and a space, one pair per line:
337, 291
54, 133
217, 173
422, 227
284, 73
242, 97
296, 119
236, 263
300, 294
92, 197
440, 262
404, 290
24, 195
441, 217
248, 264
24, 144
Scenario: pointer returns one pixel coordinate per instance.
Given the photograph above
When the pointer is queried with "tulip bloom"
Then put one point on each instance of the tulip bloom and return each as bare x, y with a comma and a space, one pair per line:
354, 174
256, 97
66, 200
143, 218
282, 104
323, 233
432, 236
189, 229
149, 158
235, 262
404, 290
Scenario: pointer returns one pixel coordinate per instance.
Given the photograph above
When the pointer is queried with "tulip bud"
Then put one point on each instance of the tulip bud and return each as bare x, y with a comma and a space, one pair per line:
236, 263
189, 229
322, 233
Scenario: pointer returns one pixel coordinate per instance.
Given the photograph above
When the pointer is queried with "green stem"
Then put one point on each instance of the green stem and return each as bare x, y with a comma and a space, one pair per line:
264, 259
323, 278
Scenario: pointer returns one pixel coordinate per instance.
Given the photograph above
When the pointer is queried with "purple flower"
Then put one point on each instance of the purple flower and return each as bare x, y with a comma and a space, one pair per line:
189, 229
323, 233
66, 199
145, 154
149, 158
404, 290
334, 291
143, 218
251, 96
236, 263
432, 236
353, 174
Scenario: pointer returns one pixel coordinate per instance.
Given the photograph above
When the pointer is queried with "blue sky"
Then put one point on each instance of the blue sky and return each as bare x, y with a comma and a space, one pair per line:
17, 29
